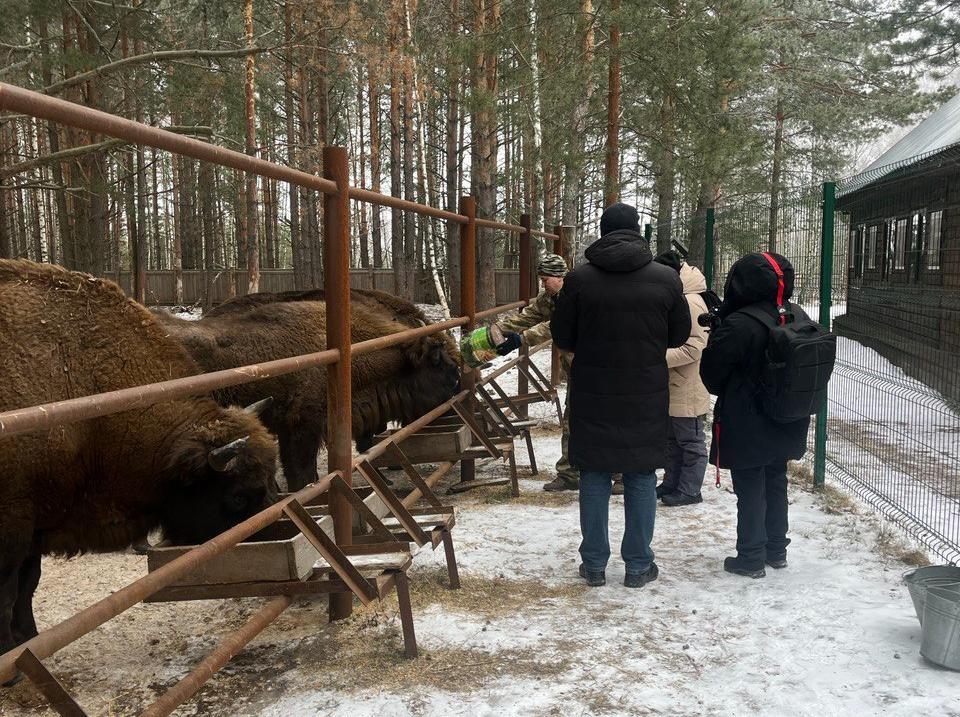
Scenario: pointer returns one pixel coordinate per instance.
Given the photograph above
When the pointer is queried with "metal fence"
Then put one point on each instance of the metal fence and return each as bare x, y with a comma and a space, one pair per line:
886, 276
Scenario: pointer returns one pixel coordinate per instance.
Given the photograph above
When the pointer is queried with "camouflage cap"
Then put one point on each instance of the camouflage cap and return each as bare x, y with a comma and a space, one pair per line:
551, 265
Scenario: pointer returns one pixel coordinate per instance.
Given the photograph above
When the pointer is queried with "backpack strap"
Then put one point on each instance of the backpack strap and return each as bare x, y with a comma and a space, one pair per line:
760, 315
781, 288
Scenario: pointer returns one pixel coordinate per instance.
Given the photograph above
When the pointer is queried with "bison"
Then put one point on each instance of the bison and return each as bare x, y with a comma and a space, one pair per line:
188, 466
399, 383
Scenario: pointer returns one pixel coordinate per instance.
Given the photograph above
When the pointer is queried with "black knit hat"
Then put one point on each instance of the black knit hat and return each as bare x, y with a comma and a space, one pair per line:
670, 258
619, 216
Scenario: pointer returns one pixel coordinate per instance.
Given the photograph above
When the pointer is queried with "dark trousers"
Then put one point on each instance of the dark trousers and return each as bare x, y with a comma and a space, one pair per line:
686, 456
761, 513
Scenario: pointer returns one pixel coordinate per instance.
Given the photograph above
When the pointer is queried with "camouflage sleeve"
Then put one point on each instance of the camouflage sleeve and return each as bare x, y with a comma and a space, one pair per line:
535, 317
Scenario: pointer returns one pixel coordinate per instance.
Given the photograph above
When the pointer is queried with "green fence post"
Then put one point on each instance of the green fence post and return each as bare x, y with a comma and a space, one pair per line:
708, 248
648, 232
826, 300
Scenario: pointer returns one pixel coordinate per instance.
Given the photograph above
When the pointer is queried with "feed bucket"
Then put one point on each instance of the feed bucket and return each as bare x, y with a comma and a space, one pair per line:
480, 345
919, 580
941, 627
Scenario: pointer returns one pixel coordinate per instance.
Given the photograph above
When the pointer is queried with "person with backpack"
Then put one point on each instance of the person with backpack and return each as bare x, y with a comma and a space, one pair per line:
617, 315
689, 400
768, 364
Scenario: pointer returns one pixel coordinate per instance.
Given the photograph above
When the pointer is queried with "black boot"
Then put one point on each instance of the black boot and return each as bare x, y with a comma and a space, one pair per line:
778, 562
677, 498
638, 580
663, 489
737, 566
594, 578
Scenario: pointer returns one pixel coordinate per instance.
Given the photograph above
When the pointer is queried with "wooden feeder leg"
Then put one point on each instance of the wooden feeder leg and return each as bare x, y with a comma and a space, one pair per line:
451, 559
514, 483
533, 457
406, 616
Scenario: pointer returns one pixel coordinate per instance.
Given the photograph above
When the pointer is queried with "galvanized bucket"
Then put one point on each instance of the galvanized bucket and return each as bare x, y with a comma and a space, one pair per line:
941, 627
919, 580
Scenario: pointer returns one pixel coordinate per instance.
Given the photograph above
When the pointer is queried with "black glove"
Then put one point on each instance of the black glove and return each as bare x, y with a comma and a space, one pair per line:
511, 342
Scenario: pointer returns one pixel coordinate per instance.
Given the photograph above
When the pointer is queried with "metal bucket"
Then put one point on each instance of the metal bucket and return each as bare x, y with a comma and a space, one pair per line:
941, 627
919, 580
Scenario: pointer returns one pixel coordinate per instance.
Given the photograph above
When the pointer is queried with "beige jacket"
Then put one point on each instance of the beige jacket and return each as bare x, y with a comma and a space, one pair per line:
688, 397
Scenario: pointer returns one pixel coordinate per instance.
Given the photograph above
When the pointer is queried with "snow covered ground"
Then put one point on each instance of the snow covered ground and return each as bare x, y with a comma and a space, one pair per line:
833, 634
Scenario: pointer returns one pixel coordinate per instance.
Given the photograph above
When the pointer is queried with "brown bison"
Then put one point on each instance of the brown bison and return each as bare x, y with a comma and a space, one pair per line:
187, 465
399, 383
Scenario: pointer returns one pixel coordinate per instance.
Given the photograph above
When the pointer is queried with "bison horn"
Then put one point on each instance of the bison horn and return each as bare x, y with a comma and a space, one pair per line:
219, 458
260, 406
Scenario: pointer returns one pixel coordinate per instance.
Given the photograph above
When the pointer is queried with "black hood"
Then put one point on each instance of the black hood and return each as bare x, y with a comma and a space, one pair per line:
620, 250
752, 280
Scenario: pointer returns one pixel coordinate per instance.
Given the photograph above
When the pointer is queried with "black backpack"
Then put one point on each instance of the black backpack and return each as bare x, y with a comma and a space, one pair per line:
798, 361
712, 301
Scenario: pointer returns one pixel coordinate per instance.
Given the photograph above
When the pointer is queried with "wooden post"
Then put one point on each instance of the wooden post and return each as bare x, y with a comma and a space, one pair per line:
527, 291
336, 282
468, 305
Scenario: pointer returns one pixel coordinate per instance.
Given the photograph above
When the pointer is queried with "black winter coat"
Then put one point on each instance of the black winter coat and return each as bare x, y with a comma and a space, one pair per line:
618, 314
731, 365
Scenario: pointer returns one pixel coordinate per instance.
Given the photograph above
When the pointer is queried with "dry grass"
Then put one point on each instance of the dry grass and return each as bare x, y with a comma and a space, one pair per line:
501, 495
889, 542
831, 499
485, 596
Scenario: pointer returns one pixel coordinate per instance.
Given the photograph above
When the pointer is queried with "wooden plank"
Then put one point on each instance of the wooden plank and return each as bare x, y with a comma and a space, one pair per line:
414, 475
394, 505
48, 685
331, 552
340, 485
477, 430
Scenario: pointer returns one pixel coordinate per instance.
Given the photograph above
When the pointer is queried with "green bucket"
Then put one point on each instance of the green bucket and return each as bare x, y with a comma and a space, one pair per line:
480, 345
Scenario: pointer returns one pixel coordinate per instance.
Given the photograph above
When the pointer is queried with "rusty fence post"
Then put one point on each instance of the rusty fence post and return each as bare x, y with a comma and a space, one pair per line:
526, 292
468, 305
559, 247
336, 282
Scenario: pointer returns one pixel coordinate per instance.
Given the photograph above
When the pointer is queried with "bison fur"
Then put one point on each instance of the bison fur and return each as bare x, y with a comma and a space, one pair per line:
188, 465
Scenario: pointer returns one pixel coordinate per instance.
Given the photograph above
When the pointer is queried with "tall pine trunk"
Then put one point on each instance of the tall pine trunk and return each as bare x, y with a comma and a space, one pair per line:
253, 250
611, 184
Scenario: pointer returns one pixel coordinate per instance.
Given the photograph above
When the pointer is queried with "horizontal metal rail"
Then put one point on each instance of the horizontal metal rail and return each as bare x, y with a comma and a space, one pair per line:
33, 418
500, 309
18, 99
224, 652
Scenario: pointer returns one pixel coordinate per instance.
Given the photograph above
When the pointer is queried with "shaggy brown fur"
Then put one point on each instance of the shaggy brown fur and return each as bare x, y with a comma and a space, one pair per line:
400, 383
100, 484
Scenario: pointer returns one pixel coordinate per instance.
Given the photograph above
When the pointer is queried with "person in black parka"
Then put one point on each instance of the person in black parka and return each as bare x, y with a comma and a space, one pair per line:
618, 314
754, 447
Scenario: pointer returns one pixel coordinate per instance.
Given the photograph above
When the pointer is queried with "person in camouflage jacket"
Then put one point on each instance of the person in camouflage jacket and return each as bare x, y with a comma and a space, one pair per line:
533, 325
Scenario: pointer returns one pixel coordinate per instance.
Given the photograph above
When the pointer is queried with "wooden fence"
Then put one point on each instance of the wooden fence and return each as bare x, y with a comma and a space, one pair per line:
232, 282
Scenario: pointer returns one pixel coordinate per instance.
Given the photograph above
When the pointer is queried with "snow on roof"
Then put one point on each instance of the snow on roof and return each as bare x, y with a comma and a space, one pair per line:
936, 132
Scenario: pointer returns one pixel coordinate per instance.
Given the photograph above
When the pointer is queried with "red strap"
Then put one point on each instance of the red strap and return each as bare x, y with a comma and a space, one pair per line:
780, 287
716, 440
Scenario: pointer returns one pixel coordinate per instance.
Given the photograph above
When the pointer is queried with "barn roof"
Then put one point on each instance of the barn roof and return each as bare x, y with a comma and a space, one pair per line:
936, 132
935, 135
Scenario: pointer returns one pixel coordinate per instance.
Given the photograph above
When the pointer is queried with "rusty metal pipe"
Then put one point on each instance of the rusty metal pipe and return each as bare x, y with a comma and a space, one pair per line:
17, 99
468, 304
23, 420
336, 266
62, 634
382, 342
493, 224
221, 655
543, 235
499, 309
380, 448
384, 200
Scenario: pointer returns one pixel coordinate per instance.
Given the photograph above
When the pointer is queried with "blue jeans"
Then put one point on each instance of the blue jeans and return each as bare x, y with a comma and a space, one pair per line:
639, 508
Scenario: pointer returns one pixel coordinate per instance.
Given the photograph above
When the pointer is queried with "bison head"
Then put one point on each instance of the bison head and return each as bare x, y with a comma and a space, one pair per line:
436, 363
221, 473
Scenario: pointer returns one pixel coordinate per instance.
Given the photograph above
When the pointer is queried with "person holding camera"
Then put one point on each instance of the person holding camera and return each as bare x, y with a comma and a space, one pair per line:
754, 433
689, 400
618, 313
